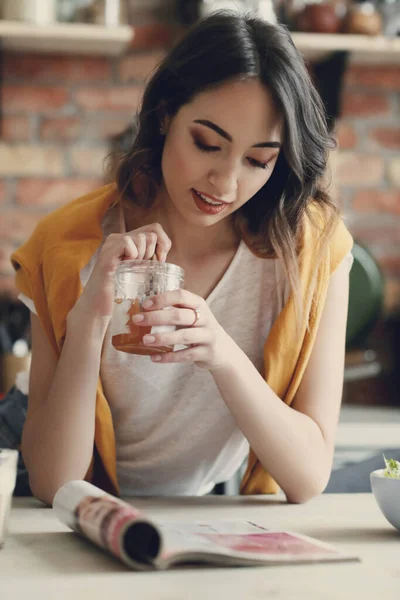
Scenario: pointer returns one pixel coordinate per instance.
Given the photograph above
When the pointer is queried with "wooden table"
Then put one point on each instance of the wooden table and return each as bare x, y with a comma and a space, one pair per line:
43, 560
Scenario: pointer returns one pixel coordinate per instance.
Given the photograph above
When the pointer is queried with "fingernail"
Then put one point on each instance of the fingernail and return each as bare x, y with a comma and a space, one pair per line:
149, 339
147, 304
137, 318
156, 358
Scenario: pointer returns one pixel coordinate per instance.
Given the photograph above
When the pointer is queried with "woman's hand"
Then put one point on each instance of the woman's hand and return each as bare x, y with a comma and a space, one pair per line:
209, 344
141, 244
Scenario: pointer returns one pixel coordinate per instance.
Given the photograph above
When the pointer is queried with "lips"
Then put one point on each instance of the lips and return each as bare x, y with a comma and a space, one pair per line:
212, 199
208, 207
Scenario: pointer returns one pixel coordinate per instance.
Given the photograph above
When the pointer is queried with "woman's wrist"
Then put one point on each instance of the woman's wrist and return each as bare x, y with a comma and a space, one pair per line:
85, 324
228, 352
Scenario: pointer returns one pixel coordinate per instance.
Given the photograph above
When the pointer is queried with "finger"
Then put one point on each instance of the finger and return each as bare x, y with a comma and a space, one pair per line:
179, 317
151, 242
185, 337
127, 248
117, 248
163, 242
140, 241
178, 297
189, 355
162, 250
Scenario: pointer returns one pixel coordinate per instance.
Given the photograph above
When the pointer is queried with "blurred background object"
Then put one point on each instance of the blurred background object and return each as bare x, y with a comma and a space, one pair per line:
390, 10
319, 17
14, 341
189, 11
363, 17
101, 12
366, 298
40, 12
44, 12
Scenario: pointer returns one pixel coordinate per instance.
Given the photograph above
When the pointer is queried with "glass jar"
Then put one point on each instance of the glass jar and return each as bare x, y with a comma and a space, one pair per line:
135, 281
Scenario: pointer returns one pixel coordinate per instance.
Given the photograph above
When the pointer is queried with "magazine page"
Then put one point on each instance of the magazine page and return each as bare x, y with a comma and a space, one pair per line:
110, 523
233, 543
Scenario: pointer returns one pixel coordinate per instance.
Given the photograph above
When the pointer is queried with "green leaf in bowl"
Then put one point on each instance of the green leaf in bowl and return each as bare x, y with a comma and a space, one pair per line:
392, 468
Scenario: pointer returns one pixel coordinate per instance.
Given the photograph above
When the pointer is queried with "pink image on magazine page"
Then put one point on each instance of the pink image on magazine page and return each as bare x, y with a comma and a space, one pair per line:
278, 543
242, 543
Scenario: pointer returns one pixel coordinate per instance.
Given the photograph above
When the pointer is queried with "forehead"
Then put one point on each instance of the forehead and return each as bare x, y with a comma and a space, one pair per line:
243, 108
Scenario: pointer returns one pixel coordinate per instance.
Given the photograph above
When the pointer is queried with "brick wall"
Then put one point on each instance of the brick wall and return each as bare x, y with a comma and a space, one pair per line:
367, 167
59, 114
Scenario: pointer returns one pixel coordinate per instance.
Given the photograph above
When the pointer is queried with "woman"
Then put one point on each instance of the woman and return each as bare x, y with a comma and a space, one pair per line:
223, 179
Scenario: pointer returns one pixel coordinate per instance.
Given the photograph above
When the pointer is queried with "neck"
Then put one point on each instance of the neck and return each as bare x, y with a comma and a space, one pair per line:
188, 241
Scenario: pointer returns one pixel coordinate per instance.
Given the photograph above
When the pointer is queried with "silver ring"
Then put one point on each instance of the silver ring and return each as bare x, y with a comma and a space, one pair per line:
197, 317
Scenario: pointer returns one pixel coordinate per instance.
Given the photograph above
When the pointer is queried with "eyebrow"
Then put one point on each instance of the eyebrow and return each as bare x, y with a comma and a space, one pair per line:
228, 137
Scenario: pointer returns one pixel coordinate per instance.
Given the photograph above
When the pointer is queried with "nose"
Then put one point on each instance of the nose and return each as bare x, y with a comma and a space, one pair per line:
224, 180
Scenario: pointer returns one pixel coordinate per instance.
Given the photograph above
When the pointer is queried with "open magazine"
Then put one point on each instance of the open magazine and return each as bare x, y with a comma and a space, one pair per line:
143, 544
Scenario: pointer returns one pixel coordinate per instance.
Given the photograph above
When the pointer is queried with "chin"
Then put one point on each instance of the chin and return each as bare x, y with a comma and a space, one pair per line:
206, 220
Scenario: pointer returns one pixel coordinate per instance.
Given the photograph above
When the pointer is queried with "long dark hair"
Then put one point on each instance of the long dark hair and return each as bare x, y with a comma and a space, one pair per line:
225, 46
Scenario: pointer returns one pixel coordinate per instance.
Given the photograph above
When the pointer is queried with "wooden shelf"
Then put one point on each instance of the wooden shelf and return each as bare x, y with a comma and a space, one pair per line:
362, 48
65, 38
78, 38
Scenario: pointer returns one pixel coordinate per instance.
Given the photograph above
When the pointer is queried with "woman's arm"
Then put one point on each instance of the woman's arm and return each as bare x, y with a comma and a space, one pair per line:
57, 440
295, 444
58, 437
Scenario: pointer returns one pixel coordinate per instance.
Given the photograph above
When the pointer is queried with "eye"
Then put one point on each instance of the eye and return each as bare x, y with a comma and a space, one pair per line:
203, 147
258, 164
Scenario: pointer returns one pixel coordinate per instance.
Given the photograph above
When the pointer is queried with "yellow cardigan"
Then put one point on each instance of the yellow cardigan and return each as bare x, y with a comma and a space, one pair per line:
48, 269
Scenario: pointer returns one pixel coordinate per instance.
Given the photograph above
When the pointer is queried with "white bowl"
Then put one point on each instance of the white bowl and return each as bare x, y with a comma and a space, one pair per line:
387, 495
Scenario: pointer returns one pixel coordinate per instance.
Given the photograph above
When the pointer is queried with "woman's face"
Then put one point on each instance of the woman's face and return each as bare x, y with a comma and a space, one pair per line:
220, 149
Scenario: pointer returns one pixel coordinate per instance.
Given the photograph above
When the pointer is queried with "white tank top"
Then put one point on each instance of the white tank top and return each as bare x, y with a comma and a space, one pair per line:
174, 433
